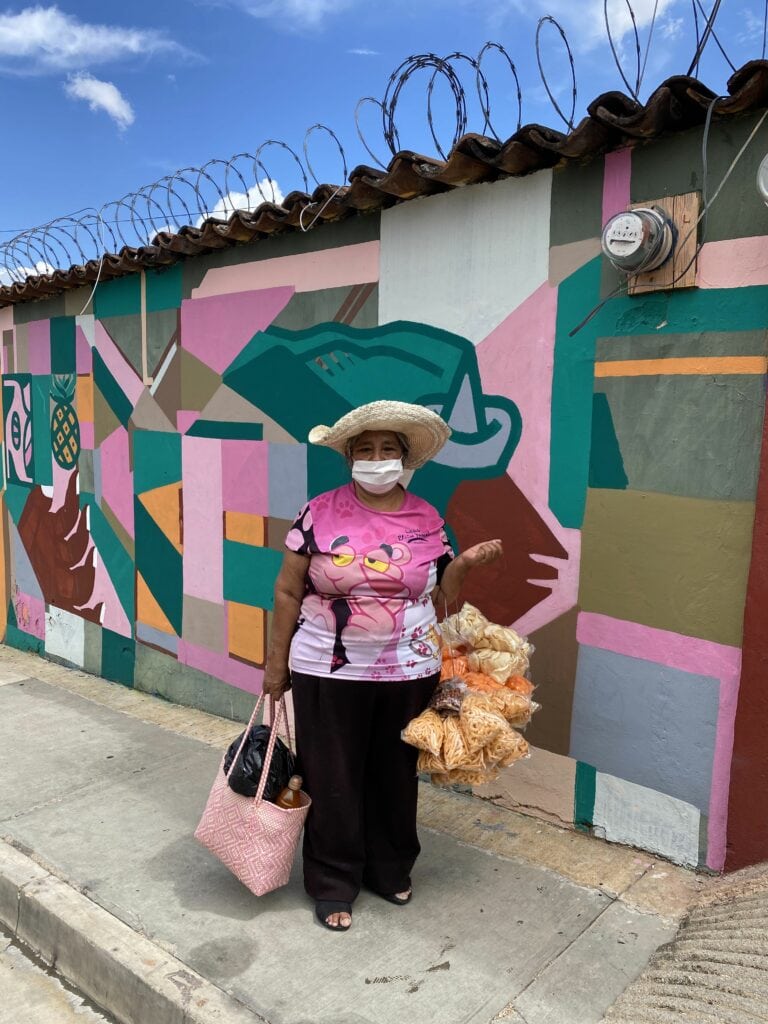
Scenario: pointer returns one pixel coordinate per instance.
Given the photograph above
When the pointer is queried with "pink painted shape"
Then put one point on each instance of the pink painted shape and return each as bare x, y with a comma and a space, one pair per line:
39, 346
733, 263
216, 329
117, 477
516, 360
185, 418
203, 518
305, 272
83, 352
616, 179
125, 375
30, 614
245, 677
689, 654
245, 476
86, 435
113, 614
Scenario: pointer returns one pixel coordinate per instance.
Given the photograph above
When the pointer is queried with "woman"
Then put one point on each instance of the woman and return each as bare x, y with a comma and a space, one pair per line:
355, 636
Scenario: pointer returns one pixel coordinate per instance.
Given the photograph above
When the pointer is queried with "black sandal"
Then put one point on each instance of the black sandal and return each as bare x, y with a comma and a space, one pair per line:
324, 909
394, 898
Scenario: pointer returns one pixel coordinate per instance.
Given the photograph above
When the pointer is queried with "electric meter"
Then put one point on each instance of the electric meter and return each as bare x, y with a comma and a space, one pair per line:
638, 240
762, 178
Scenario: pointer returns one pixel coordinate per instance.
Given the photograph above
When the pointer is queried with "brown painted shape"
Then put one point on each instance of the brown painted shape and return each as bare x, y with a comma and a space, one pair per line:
199, 383
484, 509
104, 420
205, 624
147, 415
747, 839
56, 543
670, 562
553, 670
226, 405
168, 391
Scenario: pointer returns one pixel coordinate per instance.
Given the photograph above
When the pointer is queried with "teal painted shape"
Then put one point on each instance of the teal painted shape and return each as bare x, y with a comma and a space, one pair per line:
111, 391
15, 499
250, 573
118, 657
686, 310
11, 619
584, 796
334, 368
160, 564
606, 466
120, 297
41, 429
117, 560
63, 345
156, 459
164, 288
219, 428
22, 641
572, 387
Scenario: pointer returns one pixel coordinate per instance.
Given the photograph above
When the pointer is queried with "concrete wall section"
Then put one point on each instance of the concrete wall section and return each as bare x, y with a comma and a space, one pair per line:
620, 464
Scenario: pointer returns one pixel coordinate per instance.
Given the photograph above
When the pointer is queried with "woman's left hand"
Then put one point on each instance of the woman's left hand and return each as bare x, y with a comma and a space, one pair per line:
482, 554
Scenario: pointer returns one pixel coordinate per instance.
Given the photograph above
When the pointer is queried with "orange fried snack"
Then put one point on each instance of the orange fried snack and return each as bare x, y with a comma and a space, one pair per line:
425, 732
455, 753
427, 762
520, 685
506, 748
479, 722
453, 664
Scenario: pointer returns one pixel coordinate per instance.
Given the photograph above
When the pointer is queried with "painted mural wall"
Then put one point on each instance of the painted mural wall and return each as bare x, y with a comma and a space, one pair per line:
154, 457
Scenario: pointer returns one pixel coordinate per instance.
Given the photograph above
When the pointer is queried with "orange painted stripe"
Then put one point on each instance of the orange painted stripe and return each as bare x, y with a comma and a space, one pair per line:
244, 528
705, 365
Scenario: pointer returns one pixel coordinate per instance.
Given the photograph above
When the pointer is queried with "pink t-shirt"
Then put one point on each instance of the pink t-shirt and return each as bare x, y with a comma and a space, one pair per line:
367, 611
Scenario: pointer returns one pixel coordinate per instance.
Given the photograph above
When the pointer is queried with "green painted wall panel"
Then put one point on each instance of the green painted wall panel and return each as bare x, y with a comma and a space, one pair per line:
160, 564
674, 563
250, 574
156, 459
120, 297
683, 346
691, 435
41, 429
577, 202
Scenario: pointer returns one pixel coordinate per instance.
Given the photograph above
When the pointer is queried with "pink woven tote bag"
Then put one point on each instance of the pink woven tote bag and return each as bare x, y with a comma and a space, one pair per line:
254, 838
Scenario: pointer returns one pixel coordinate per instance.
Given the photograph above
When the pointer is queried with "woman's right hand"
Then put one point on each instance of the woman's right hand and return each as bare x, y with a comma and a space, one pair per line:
276, 682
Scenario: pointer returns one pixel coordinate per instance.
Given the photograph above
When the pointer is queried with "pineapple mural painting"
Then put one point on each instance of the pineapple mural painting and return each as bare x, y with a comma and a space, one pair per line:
65, 427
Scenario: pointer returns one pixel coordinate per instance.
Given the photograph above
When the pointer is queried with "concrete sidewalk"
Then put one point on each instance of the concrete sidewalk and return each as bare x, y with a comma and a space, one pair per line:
101, 789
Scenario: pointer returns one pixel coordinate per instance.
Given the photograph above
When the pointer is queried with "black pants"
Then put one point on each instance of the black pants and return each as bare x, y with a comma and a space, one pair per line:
361, 828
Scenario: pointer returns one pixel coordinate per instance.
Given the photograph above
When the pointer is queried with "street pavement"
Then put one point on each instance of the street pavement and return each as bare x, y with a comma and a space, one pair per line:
32, 994
101, 787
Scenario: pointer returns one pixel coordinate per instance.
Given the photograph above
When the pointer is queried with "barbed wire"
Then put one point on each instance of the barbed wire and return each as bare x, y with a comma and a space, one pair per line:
190, 195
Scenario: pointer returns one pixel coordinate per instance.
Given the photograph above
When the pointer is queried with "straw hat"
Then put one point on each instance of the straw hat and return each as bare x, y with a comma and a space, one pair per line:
424, 430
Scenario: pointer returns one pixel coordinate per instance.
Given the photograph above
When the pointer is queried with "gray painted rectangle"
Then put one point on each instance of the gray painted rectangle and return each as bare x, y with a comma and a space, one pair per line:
287, 479
646, 723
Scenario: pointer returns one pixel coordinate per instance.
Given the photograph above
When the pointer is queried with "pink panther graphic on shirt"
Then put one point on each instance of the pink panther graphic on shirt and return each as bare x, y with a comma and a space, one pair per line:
367, 611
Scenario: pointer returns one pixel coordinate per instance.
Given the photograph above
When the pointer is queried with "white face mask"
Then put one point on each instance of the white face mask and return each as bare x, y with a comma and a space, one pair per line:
377, 477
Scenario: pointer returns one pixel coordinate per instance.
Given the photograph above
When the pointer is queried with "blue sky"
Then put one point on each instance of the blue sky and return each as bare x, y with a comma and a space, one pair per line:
100, 99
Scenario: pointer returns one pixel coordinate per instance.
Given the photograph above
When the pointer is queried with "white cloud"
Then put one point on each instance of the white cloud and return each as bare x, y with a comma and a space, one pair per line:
39, 39
361, 51
672, 28
294, 13
250, 200
752, 27
584, 22
8, 278
101, 96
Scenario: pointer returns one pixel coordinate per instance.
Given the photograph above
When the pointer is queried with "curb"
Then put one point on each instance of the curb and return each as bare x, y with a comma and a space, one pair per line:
123, 972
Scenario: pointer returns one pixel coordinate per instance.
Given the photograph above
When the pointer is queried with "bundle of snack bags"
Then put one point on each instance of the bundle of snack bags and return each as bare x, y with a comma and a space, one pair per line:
470, 729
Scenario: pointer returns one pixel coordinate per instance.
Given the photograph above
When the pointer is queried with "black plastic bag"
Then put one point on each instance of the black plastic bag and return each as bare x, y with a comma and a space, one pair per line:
245, 776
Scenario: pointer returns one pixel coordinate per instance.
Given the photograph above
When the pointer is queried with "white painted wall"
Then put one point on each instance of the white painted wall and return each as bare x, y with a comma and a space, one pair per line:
464, 260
